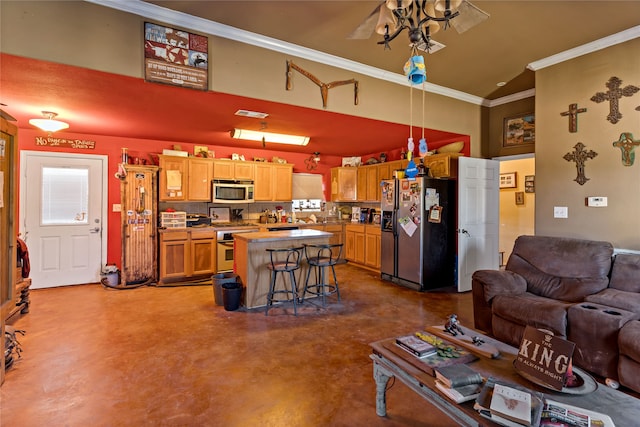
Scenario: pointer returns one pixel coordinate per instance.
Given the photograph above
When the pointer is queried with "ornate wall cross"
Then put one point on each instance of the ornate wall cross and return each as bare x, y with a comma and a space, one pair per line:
573, 116
579, 155
613, 95
324, 87
627, 145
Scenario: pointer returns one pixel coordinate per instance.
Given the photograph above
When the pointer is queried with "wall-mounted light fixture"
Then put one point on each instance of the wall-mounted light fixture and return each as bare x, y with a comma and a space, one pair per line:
49, 124
312, 161
278, 138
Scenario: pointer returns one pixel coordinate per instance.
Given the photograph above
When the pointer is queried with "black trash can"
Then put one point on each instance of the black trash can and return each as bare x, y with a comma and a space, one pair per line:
218, 280
231, 295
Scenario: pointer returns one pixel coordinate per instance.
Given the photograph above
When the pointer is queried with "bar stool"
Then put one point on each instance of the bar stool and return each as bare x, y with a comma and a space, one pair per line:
283, 260
320, 257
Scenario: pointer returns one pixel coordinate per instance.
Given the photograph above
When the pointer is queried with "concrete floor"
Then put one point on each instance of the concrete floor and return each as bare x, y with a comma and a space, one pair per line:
171, 357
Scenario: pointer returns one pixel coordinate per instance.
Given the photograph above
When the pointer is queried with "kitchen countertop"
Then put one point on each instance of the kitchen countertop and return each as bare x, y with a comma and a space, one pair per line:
270, 236
249, 224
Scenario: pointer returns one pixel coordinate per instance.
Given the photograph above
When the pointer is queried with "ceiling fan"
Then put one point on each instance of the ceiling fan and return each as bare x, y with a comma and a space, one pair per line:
421, 19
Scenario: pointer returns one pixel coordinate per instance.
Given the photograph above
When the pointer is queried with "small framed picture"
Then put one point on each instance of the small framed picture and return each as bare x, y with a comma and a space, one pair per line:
519, 130
519, 198
529, 184
435, 214
508, 180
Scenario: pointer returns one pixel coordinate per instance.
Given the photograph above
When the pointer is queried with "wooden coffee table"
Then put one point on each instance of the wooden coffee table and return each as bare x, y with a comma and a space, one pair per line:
390, 361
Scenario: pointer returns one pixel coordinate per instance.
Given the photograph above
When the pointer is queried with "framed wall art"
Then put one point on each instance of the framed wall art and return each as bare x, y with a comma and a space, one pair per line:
529, 184
519, 130
508, 180
519, 198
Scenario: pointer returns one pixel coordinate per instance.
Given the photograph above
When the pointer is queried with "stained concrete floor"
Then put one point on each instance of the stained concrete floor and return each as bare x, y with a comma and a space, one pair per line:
151, 356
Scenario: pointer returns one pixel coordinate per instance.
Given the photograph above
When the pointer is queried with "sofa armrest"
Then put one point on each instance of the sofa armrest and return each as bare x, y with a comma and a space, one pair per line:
486, 284
499, 282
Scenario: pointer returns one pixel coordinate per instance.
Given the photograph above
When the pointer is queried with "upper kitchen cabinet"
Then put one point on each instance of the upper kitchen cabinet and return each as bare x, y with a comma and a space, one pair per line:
344, 181
233, 169
185, 178
443, 165
273, 182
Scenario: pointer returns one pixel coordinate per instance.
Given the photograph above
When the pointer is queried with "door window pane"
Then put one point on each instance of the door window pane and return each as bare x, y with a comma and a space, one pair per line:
65, 196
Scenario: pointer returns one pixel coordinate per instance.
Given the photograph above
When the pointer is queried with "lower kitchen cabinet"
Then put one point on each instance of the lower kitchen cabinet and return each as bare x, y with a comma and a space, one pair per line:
337, 233
362, 244
186, 254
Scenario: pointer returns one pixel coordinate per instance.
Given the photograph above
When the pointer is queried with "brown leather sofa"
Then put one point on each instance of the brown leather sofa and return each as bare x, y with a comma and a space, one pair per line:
576, 289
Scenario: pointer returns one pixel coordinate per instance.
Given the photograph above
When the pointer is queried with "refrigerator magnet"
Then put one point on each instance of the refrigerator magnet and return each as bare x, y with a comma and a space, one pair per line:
435, 214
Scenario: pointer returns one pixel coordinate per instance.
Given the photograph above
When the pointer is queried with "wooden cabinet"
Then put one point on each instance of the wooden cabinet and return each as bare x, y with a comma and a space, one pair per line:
384, 172
337, 233
185, 178
233, 169
443, 165
273, 182
344, 184
199, 179
361, 186
372, 235
355, 243
187, 254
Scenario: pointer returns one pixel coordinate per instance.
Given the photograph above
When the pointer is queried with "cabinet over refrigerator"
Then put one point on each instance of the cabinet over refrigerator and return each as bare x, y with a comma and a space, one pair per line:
418, 239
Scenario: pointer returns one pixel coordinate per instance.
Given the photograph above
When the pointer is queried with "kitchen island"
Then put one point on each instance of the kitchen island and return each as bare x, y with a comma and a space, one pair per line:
251, 258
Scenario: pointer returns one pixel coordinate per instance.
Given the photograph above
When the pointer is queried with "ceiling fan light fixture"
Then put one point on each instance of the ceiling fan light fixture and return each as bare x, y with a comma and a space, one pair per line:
398, 4
277, 138
386, 21
49, 124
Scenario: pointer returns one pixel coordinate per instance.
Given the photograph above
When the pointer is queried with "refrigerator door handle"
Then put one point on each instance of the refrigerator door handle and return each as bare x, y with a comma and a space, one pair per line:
394, 222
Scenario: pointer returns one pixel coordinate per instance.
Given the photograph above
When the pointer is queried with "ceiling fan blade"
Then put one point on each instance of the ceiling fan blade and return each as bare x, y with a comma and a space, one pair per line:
365, 29
469, 16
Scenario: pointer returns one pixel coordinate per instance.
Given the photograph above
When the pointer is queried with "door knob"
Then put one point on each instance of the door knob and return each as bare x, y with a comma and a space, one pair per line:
463, 231
95, 230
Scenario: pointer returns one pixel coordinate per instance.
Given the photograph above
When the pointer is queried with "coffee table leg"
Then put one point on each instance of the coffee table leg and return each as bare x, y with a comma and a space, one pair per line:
381, 376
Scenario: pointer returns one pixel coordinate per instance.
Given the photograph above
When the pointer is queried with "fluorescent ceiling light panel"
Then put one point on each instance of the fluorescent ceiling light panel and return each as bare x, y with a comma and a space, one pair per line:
249, 113
279, 138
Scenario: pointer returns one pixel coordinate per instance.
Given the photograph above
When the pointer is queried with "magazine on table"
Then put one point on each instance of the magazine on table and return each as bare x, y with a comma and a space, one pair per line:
557, 414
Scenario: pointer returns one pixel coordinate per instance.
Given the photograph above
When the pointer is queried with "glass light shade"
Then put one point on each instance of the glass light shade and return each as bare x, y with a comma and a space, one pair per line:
393, 4
278, 138
441, 5
49, 125
386, 18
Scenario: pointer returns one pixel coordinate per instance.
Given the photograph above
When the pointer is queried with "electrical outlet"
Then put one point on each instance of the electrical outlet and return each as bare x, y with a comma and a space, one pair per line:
117, 207
560, 212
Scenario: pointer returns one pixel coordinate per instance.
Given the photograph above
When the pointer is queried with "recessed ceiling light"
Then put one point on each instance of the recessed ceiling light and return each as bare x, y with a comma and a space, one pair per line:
252, 114
500, 84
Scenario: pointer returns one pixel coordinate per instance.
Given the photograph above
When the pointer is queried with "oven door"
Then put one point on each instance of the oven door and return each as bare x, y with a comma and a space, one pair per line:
225, 256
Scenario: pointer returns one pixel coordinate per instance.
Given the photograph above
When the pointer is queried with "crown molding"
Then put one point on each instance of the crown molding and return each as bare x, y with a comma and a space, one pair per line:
603, 43
510, 98
194, 23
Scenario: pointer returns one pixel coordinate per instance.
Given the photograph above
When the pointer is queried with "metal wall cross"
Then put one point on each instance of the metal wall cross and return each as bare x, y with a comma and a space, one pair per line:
573, 116
580, 156
627, 145
613, 95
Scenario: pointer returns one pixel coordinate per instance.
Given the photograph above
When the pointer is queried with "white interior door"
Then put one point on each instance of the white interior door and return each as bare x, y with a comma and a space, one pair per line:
62, 211
478, 217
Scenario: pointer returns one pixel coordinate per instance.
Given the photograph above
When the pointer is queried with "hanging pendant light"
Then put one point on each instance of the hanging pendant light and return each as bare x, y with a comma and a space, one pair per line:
48, 124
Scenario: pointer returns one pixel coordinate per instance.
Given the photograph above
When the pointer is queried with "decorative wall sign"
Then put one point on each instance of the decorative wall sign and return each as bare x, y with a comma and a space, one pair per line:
613, 95
573, 116
519, 130
324, 87
519, 198
508, 180
63, 142
627, 146
580, 156
175, 57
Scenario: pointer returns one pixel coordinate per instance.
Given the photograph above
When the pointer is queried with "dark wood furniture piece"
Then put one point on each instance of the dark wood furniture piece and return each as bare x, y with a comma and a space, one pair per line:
390, 361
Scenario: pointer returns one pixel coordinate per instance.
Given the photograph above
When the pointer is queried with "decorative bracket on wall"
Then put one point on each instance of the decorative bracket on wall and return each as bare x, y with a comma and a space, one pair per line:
580, 156
324, 87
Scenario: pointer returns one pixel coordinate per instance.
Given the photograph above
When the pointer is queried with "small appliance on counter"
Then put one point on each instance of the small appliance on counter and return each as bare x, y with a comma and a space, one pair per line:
355, 214
198, 220
364, 215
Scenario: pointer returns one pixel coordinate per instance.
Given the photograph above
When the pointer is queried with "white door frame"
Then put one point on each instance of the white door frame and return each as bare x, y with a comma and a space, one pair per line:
104, 159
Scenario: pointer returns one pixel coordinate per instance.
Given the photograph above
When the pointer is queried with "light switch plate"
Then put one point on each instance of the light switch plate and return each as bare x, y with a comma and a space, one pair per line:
560, 212
117, 207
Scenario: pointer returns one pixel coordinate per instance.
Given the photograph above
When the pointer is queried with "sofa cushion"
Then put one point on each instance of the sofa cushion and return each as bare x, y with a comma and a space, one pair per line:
499, 282
533, 310
629, 301
625, 273
561, 268
629, 341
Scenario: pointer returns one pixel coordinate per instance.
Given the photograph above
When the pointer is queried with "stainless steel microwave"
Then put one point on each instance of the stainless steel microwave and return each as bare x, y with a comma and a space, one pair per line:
232, 191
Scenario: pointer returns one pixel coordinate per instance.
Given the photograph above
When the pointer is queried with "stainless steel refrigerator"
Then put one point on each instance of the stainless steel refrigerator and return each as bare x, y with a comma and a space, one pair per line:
418, 239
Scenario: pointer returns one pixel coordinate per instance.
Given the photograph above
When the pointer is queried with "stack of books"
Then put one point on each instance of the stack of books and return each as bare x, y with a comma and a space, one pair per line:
416, 346
459, 383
